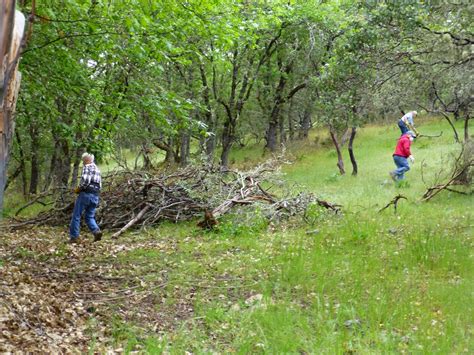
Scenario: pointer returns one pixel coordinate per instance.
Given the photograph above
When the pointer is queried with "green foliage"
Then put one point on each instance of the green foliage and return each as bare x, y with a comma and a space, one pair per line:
315, 214
182, 80
243, 223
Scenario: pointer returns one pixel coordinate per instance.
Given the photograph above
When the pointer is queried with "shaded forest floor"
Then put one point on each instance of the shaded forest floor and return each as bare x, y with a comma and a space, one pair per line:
363, 281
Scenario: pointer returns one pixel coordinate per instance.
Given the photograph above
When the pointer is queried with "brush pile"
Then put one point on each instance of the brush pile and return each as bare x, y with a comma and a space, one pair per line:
138, 198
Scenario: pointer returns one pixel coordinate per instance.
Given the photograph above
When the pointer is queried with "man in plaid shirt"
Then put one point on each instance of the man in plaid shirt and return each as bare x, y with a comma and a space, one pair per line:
87, 201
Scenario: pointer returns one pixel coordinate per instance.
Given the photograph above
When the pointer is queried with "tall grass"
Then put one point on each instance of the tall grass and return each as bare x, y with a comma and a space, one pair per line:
365, 281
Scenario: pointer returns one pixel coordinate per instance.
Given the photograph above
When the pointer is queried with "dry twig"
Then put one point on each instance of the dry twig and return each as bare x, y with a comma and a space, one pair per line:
394, 202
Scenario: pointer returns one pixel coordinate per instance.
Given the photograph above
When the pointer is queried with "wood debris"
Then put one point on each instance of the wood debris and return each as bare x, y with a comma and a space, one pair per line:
134, 199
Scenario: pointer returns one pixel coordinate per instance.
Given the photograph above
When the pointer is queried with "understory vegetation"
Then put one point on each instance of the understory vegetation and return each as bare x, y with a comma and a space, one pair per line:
357, 281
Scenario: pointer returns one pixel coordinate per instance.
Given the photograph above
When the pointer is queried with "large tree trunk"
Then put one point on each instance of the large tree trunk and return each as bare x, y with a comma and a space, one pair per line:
185, 148
272, 131
243, 79
22, 165
12, 24
351, 151
291, 125
305, 123
170, 156
271, 136
75, 167
276, 122
282, 131
466, 128
227, 139
62, 170
465, 163
340, 161
209, 143
35, 170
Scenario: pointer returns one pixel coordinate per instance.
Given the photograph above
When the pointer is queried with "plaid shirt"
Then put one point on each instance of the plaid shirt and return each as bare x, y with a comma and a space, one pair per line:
90, 178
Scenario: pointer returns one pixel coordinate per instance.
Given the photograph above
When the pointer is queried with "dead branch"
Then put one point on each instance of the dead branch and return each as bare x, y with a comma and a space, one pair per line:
457, 191
394, 202
456, 136
434, 190
430, 135
331, 206
462, 166
132, 222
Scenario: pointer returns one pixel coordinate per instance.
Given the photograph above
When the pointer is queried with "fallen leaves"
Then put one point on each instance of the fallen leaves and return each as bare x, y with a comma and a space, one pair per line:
57, 297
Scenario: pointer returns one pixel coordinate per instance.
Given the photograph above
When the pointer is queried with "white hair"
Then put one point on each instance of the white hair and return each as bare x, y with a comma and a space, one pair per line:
415, 113
87, 156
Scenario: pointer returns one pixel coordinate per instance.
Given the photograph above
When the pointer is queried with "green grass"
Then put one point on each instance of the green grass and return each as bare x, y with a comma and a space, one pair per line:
353, 287
365, 282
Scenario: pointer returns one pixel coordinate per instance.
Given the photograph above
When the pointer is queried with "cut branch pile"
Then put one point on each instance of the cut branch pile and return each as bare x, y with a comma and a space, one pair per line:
137, 199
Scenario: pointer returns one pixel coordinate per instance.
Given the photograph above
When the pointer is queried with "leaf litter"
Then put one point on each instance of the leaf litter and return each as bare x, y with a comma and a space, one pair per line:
52, 292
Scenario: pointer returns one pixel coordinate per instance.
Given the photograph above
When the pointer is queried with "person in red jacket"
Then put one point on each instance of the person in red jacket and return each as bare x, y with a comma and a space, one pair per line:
401, 156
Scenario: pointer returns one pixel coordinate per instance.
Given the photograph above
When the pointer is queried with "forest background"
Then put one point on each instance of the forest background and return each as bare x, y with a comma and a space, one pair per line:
178, 81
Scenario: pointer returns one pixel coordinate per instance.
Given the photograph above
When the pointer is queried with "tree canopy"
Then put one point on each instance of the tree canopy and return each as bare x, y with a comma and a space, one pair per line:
196, 78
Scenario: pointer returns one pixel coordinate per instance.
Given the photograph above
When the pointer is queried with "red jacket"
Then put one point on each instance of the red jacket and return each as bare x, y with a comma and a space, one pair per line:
403, 146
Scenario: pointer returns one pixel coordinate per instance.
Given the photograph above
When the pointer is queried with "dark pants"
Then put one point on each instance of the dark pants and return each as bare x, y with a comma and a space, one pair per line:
85, 203
403, 127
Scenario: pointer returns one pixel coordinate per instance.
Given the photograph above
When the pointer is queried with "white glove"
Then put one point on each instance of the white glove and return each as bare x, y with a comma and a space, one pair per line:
412, 159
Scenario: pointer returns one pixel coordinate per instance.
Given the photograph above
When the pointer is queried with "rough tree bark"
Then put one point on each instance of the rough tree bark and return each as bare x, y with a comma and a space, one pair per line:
75, 167
282, 132
305, 123
34, 167
12, 25
340, 161
273, 124
466, 127
170, 156
22, 165
209, 115
62, 166
185, 147
351, 151
291, 124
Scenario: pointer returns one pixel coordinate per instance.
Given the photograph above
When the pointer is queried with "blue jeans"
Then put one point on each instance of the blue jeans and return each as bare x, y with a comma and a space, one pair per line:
402, 167
403, 126
85, 203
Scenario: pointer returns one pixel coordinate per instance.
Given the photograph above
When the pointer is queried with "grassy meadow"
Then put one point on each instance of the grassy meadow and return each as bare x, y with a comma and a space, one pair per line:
362, 281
